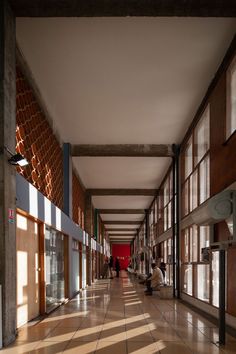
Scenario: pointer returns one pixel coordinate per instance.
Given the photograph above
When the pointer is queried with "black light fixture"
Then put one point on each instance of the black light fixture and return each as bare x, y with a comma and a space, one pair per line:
18, 159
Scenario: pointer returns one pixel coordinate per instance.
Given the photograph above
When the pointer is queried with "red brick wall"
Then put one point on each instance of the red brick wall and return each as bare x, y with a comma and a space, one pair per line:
37, 143
223, 157
78, 201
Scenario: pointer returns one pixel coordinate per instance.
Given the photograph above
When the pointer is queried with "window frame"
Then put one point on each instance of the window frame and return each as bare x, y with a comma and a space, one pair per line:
186, 261
228, 122
185, 185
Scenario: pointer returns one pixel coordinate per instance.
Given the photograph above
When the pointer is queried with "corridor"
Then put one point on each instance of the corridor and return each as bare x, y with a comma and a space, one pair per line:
114, 316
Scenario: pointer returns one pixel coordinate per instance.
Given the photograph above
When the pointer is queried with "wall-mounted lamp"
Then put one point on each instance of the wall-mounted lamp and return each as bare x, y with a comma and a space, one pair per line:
16, 159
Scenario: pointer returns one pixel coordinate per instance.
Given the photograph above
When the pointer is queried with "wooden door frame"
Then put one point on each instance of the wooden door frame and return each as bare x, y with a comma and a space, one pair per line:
41, 251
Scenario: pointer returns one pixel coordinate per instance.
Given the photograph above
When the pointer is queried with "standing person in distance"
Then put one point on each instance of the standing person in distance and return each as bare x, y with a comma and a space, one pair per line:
117, 266
111, 267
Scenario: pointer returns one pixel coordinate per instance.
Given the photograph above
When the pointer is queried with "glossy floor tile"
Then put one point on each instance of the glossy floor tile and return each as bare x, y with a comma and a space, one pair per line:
115, 317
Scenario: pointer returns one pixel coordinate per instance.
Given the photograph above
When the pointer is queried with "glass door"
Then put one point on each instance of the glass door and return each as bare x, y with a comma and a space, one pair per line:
54, 268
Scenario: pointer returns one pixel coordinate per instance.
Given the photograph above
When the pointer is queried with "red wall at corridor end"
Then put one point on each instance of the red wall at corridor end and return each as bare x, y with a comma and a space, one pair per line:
121, 251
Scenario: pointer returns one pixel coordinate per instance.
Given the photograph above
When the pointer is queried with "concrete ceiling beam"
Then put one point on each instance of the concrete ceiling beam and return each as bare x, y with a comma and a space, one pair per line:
122, 235
123, 150
121, 211
121, 222
103, 8
115, 229
122, 191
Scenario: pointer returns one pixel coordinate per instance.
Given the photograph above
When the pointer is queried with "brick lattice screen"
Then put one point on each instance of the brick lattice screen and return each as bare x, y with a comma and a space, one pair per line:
78, 201
37, 143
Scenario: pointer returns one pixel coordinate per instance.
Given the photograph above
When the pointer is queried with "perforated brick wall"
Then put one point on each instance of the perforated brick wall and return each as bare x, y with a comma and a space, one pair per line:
78, 201
37, 143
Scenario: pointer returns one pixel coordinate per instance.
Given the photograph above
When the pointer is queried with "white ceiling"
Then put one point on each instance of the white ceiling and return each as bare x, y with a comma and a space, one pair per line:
122, 202
122, 226
121, 172
123, 217
123, 81
122, 232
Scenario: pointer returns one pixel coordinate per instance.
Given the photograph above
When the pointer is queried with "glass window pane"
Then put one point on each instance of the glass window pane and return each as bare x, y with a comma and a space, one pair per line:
188, 279
166, 192
195, 190
231, 99
169, 249
171, 185
204, 237
202, 136
215, 278
190, 244
194, 243
188, 158
165, 251
204, 186
203, 282
191, 193
186, 246
169, 215
165, 218
186, 198
169, 274
159, 208
156, 211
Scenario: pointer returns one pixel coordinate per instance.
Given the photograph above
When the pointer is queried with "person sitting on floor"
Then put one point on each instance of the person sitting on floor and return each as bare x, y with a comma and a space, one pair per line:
155, 280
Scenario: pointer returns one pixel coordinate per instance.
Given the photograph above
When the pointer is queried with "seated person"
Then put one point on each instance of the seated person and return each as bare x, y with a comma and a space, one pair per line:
155, 280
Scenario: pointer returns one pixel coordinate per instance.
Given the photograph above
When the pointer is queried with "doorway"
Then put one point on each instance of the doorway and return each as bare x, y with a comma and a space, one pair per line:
27, 257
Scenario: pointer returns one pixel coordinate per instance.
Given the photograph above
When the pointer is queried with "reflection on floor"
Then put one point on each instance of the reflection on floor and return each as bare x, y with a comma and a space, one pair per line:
114, 317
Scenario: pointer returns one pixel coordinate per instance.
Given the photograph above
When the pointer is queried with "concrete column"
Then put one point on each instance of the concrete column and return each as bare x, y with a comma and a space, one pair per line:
88, 229
7, 172
147, 240
88, 213
67, 180
96, 230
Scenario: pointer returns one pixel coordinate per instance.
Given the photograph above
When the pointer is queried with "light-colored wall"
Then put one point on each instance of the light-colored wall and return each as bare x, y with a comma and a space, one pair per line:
30, 200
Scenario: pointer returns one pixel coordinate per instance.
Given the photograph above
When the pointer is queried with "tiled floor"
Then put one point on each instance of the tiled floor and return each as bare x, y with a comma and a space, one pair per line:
114, 317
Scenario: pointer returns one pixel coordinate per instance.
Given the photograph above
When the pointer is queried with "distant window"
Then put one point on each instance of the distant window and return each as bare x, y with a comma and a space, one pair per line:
196, 172
231, 100
188, 158
202, 136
